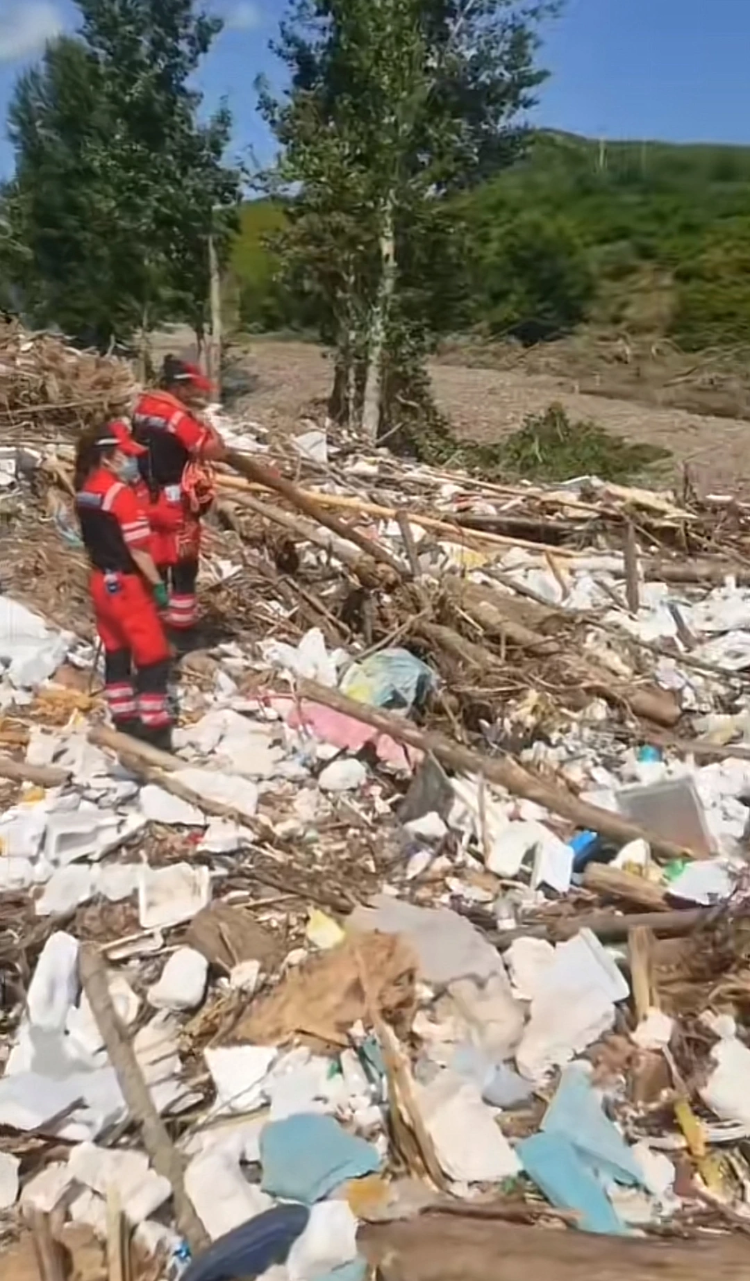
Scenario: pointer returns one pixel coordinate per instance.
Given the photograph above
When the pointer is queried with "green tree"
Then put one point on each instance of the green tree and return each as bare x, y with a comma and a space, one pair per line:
116, 178
394, 106
535, 280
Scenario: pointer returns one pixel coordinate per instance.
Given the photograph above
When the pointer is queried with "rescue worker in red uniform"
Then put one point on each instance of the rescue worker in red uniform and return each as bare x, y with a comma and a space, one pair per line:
176, 469
126, 589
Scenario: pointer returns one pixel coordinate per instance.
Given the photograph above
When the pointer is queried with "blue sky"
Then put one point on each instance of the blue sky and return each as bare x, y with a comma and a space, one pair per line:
671, 69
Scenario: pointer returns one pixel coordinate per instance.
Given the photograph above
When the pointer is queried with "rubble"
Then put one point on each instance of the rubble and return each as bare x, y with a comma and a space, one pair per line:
440, 906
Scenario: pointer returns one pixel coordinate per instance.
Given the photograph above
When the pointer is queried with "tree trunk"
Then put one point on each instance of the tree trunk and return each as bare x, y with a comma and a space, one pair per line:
378, 325
216, 318
144, 348
200, 345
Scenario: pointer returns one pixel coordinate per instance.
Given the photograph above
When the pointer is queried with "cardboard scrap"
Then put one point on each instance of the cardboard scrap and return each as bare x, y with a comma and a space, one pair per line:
227, 936
324, 997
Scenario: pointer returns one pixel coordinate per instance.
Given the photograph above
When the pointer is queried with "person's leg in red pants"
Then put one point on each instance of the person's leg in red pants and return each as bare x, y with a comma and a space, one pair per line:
127, 619
119, 687
183, 605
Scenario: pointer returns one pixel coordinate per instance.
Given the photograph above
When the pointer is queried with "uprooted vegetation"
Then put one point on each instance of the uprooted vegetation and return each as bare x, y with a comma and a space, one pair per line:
550, 446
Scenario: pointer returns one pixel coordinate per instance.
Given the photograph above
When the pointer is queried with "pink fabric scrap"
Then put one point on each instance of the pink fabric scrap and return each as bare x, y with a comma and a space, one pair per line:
345, 732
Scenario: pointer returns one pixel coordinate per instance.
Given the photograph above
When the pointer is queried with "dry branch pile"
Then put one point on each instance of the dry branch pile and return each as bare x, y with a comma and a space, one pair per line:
48, 389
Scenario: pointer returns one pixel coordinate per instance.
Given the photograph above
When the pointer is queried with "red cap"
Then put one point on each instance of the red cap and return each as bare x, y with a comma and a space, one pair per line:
118, 433
181, 371
196, 378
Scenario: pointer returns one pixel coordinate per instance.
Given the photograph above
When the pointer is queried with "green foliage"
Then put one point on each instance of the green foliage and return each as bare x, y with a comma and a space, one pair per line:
650, 237
393, 108
551, 447
548, 447
536, 281
116, 178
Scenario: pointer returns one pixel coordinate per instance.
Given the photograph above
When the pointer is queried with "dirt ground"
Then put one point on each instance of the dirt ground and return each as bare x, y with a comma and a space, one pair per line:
291, 379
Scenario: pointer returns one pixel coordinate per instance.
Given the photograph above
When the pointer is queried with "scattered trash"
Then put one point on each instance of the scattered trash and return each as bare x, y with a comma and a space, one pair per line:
442, 886
306, 1157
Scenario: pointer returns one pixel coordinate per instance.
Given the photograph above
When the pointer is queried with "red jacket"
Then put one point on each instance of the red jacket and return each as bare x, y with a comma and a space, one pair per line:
113, 521
171, 434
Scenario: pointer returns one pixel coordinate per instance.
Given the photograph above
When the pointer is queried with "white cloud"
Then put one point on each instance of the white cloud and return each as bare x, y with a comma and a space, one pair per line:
26, 27
244, 16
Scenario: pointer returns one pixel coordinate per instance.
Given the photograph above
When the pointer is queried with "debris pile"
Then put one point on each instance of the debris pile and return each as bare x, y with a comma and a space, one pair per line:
48, 389
435, 926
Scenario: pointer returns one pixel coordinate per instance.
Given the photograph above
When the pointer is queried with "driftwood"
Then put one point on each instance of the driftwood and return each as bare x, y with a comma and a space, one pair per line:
156, 1140
458, 646
640, 956
124, 745
450, 531
253, 470
505, 771
607, 925
39, 775
158, 767
610, 882
504, 616
630, 558
448, 1249
362, 566
496, 615
47, 1251
694, 571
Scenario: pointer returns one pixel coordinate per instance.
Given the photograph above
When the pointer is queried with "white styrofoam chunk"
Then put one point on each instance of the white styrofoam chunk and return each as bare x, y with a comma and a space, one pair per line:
141, 1189
468, 1144
159, 806
222, 1196
226, 789
182, 984
169, 895
239, 1073
327, 1243
345, 774
55, 984
9, 1167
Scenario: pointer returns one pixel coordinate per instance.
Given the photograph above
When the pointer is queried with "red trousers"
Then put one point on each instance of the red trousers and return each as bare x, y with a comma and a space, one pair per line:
136, 650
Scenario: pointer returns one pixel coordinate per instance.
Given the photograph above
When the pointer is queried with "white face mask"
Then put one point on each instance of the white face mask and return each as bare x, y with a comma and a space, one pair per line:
127, 470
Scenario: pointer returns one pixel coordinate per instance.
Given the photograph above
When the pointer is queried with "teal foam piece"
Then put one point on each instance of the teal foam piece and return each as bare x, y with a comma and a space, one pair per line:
576, 1113
559, 1171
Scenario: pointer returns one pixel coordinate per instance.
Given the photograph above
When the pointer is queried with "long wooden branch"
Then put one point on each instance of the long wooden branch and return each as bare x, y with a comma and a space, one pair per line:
156, 1140
362, 566
504, 771
39, 775
255, 471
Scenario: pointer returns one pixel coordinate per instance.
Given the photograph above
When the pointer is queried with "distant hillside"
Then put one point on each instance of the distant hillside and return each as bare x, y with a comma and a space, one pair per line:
646, 237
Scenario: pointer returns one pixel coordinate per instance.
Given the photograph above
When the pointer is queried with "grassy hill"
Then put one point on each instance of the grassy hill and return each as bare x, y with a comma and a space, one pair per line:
646, 237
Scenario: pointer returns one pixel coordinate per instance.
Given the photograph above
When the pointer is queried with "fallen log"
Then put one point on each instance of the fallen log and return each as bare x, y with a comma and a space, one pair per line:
494, 613
448, 1249
38, 775
458, 646
687, 571
606, 925
449, 530
495, 616
158, 767
124, 745
613, 883
252, 470
363, 567
504, 771
161, 1150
